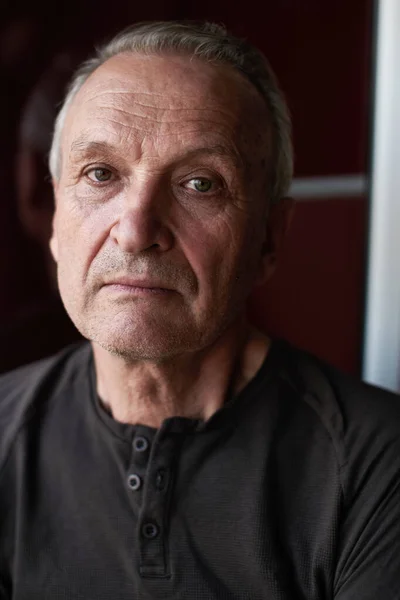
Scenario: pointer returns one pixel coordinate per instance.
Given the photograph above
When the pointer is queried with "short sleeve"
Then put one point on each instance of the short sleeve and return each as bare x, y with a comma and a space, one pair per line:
368, 565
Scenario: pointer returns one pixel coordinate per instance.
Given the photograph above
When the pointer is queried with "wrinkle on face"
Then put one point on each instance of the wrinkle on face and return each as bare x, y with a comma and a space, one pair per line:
235, 118
129, 117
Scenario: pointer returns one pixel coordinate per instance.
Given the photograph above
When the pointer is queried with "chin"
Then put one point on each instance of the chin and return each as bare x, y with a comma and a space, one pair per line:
144, 343
136, 353
152, 337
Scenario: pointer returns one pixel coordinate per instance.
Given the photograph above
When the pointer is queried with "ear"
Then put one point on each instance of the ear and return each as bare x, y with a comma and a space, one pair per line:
279, 218
53, 243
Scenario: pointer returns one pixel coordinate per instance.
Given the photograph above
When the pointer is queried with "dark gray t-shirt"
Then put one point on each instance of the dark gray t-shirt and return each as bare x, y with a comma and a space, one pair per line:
290, 492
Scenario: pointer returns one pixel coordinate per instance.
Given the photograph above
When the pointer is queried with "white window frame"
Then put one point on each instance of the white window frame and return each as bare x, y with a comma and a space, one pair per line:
381, 352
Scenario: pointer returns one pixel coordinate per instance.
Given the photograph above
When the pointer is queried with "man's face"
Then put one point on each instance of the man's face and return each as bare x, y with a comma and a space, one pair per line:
161, 204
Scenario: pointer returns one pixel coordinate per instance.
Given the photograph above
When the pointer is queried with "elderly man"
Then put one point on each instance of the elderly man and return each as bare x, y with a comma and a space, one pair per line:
181, 454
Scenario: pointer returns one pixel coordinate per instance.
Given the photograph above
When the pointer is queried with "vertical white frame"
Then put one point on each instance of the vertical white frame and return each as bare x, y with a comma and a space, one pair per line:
381, 356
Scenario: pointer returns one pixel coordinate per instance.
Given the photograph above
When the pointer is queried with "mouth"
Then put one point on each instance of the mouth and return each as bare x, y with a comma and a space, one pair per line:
137, 286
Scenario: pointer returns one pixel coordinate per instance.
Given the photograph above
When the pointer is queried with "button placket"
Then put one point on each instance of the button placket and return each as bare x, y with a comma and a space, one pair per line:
153, 518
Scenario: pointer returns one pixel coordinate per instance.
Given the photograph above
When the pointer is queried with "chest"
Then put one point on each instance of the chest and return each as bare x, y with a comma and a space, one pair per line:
174, 517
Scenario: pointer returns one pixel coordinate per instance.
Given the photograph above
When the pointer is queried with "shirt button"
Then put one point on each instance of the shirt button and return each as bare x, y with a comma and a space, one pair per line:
140, 444
134, 481
150, 530
160, 479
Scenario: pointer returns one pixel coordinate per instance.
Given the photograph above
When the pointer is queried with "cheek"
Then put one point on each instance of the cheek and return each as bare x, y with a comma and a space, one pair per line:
82, 229
229, 252
214, 251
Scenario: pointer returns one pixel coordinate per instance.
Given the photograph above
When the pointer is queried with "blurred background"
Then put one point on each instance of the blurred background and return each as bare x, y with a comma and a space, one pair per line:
324, 54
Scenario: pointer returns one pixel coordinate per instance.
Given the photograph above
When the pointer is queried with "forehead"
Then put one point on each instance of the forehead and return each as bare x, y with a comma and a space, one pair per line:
166, 101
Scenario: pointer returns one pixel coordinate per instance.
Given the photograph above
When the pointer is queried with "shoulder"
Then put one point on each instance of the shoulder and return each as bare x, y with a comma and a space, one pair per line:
29, 388
331, 392
362, 421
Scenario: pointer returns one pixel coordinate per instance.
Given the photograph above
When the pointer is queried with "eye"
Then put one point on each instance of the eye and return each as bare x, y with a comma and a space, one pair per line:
200, 184
99, 174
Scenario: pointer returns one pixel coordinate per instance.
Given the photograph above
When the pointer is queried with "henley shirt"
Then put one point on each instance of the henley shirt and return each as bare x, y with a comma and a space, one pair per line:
291, 491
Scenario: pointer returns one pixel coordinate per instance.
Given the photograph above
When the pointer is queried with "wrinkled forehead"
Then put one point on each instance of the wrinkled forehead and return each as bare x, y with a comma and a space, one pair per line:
169, 98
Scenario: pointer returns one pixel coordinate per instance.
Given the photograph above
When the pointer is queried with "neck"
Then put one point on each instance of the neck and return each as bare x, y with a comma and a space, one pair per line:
195, 385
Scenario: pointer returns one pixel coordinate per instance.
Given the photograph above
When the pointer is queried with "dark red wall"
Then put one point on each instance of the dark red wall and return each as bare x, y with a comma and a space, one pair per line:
315, 299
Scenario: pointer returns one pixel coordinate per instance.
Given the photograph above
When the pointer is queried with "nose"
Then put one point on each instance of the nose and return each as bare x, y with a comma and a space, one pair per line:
142, 222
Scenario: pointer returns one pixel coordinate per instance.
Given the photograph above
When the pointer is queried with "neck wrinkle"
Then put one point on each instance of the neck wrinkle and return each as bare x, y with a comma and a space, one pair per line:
193, 386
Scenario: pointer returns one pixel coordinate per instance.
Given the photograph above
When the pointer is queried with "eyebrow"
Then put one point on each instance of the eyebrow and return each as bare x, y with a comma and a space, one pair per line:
85, 148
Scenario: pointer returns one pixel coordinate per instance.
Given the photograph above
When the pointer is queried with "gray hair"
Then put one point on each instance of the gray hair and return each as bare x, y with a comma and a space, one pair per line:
208, 42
